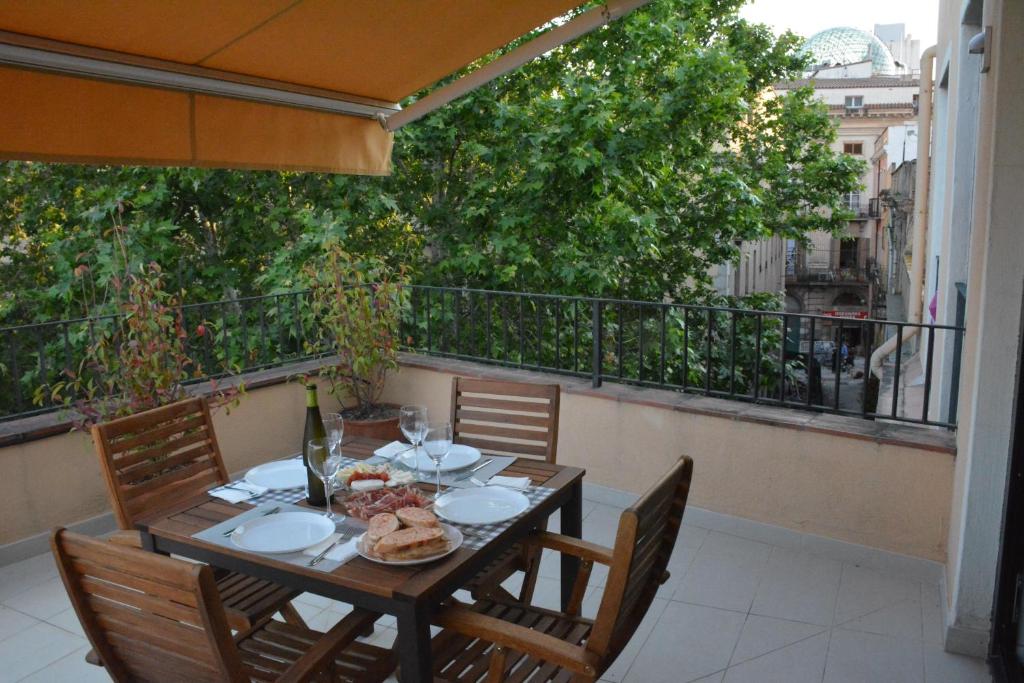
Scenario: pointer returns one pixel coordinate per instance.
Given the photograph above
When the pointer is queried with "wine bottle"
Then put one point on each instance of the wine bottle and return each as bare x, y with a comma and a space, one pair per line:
314, 430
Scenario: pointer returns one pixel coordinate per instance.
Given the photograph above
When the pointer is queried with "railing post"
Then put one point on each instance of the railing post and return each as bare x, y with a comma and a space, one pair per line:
596, 333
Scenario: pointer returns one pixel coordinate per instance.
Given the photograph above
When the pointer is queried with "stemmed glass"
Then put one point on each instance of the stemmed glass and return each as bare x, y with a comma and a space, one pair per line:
412, 420
437, 442
325, 463
334, 427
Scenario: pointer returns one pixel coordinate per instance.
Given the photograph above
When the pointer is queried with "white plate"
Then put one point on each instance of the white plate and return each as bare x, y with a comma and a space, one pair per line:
453, 535
280, 474
285, 532
481, 505
458, 457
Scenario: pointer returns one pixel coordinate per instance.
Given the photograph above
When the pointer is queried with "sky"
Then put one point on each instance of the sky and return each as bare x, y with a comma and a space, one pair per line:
806, 17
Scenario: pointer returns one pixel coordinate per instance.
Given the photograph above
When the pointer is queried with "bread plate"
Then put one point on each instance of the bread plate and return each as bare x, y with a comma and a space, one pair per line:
451, 534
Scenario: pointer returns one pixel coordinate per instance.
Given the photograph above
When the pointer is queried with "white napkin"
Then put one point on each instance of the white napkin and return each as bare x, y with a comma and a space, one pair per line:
342, 553
392, 449
510, 482
240, 491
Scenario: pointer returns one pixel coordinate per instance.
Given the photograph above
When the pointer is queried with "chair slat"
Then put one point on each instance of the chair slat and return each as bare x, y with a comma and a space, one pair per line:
529, 435
468, 385
166, 461
163, 430
503, 447
127, 460
496, 417
533, 407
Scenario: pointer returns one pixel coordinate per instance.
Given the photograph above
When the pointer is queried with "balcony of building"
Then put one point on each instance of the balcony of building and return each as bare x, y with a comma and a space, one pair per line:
813, 548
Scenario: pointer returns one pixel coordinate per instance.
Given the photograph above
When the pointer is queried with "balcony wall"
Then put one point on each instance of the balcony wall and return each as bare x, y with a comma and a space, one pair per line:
884, 486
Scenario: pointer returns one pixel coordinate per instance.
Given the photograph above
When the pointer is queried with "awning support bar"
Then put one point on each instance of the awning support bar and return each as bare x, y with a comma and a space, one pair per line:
72, 60
547, 41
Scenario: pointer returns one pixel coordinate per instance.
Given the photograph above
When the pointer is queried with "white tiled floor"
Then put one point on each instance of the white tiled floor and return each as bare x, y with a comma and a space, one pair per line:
744, 603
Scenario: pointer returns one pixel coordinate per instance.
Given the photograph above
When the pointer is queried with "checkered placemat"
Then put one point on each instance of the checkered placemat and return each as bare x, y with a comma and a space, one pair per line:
476, 536
479, 535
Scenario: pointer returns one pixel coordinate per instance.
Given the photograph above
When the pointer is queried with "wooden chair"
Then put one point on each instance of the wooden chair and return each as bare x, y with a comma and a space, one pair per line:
496, 640
155, 618
156, 459
507, 418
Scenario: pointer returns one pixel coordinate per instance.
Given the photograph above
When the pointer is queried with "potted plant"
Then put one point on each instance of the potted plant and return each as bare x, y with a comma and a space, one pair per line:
136, 359
357, 305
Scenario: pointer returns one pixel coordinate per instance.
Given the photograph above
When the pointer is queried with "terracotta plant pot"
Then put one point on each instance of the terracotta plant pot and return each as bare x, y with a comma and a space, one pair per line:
385, 428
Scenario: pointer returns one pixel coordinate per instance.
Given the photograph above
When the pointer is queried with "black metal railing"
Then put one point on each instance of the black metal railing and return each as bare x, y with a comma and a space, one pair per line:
768, 357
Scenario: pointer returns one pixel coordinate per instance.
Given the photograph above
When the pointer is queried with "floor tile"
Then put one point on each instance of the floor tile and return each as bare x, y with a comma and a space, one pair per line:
35, 648
933, 620
42, 601
761, 635
944, 667
863, 590
688, 642
19, 577
306, 611
617, 671
802, 662
314, 600
13, 622
601, 525
324, 621
855, 657
713, 678
68, 620
798, 587
899, 620
725, 573
72, 667
688, 545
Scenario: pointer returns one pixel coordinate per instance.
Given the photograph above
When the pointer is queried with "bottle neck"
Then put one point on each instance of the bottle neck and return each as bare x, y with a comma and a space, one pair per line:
311, 396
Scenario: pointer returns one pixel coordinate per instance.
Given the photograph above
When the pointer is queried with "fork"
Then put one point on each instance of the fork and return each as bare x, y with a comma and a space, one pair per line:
316, 560
271, 511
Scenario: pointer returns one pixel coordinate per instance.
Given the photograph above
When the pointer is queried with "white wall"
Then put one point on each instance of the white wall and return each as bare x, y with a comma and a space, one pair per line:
993, 345
890, 95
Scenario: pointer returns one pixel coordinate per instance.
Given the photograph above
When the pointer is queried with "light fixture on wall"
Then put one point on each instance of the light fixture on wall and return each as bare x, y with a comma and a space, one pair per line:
981, 44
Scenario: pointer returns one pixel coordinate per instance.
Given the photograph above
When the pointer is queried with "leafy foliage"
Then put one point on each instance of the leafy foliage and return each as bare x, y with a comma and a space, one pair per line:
358, 307
136, 360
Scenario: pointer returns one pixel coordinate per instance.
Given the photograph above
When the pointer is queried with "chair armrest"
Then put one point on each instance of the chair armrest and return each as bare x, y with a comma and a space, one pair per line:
132, 539
571, 546
525, 640
327, 648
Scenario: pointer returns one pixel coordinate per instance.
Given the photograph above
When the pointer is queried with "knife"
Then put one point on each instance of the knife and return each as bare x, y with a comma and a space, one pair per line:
271, 511
466, 475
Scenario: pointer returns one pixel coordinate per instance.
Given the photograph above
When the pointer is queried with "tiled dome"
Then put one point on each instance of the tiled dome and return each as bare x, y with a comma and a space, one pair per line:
845, 45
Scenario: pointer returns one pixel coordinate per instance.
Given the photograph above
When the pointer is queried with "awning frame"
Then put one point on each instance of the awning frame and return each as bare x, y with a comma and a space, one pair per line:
40, 54
584, 23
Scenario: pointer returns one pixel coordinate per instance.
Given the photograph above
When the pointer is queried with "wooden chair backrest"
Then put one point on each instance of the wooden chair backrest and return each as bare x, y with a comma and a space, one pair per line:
506, 418
643, 545
157, 458
149, 617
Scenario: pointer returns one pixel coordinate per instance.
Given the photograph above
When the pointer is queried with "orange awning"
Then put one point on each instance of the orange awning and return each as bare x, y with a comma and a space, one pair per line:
263, 84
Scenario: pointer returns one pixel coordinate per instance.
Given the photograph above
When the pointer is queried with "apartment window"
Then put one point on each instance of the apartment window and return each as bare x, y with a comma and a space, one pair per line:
854, 102
848, 253
853, 148
853, 201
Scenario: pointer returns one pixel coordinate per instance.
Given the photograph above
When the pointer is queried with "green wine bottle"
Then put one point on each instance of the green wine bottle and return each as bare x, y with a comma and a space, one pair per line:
315, 494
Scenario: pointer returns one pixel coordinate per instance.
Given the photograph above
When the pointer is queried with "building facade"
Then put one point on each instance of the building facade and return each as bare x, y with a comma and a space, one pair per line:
845, 276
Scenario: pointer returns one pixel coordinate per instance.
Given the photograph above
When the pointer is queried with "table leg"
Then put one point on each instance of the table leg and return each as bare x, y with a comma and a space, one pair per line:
414, 656
572, 525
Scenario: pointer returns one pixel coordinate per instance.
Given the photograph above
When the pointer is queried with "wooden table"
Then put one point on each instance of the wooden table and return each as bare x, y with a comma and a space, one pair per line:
411, 594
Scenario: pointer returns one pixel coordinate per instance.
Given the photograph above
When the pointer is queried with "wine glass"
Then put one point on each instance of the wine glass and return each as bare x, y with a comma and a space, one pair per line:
437, 443
325, 464
334, 428
412, 420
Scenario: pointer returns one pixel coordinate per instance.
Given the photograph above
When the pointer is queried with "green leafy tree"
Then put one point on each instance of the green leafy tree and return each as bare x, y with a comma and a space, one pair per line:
625, 163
